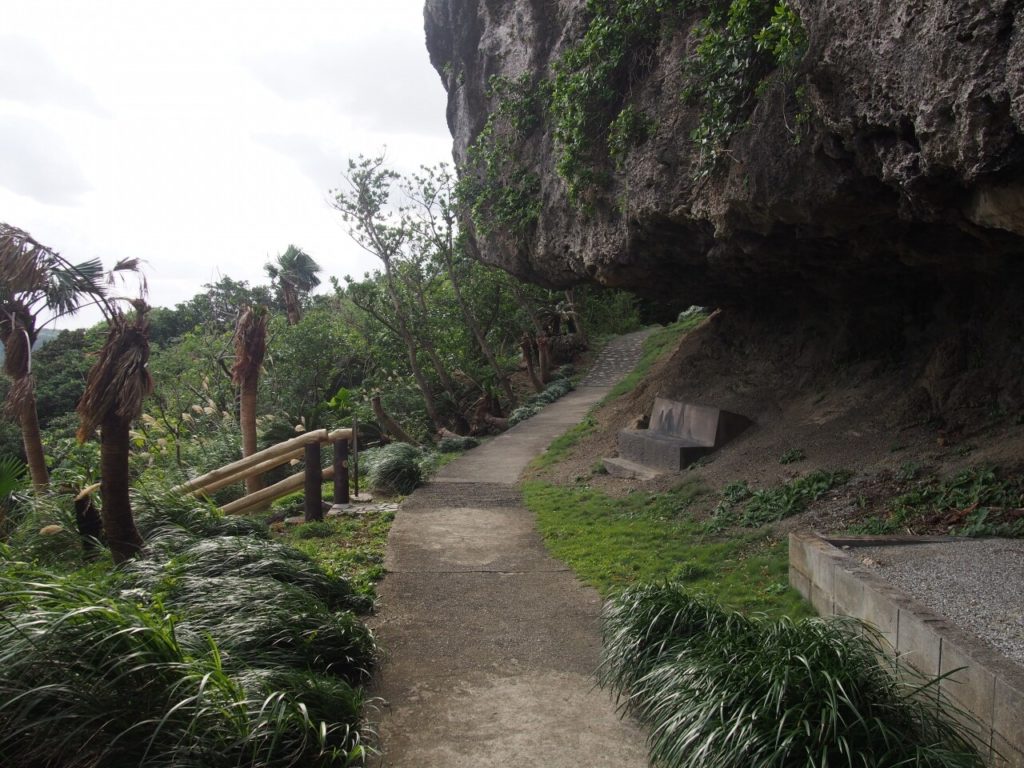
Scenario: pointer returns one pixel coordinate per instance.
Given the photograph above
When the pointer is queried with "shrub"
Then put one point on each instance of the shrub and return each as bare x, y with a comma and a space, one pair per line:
395, 469
522, 413
556, 389
457, 444
718, 688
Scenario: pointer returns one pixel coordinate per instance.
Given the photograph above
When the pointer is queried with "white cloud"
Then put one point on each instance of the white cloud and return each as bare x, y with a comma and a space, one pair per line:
203, 137
35, 162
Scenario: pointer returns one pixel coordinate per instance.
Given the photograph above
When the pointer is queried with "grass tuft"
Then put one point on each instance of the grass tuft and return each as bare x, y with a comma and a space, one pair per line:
93, 676
394, 469
719, 688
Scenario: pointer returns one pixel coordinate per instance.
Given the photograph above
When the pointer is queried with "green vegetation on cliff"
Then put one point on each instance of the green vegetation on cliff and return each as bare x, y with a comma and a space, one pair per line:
735, 45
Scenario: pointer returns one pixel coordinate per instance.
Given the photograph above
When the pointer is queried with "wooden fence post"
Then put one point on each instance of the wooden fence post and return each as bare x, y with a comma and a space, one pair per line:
341, 472
355, 454
314, 480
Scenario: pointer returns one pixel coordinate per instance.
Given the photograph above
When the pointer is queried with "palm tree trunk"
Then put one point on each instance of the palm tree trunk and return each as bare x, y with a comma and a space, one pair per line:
247, 422
31, 438
118, 523
291, 303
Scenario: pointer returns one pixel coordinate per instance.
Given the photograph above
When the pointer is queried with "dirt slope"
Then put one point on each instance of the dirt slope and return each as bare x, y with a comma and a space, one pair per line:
865, 416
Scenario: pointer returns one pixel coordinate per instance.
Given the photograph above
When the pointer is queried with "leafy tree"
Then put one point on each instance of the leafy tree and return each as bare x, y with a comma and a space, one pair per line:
294, 275
35, 281
385, 232
194, 390
61, 366
216, 308
309, 362
433, 191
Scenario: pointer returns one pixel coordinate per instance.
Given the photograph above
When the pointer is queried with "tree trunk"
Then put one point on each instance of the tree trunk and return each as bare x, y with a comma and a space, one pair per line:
481, 339
388, 424
411, 347
291, 302
581, 333
247, 421
528, 358
89, 524
544, 359
31, 437
118, 523
496, 421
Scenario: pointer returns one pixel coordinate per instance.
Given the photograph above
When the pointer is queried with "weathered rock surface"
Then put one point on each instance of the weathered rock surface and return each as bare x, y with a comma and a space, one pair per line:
906, 179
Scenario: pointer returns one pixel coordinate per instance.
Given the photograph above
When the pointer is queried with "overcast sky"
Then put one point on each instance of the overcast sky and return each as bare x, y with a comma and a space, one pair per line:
203, 135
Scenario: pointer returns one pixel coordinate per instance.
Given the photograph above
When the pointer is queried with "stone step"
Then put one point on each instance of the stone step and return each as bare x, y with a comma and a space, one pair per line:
629, 470
659, 451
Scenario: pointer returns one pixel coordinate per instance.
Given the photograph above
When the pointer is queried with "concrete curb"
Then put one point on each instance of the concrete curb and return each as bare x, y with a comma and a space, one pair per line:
981, 681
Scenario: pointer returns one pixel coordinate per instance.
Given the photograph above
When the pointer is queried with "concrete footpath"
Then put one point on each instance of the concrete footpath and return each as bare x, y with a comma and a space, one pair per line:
490, 643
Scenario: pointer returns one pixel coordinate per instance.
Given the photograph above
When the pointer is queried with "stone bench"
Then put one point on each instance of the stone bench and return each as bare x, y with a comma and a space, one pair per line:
678, 434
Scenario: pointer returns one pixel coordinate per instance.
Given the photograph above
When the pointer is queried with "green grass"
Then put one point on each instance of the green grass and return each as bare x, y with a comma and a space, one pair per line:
615, 543
348, 547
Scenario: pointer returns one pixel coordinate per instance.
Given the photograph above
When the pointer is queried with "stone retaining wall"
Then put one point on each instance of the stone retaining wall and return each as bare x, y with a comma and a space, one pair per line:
985, 682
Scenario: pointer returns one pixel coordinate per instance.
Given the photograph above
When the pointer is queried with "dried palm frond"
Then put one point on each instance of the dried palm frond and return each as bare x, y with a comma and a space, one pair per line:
17, 350
22, 390
250, 343
120, 380
20, 264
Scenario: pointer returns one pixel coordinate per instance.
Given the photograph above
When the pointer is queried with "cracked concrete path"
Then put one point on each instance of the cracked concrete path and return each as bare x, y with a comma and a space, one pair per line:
491, 644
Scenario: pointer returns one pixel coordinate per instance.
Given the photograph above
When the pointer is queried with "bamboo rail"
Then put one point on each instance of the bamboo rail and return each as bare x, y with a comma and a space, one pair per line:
260, 462
271, 492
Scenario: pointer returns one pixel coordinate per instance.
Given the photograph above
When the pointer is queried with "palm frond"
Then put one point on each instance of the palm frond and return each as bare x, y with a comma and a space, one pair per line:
119, 381
250, 343
17, 350
13, 476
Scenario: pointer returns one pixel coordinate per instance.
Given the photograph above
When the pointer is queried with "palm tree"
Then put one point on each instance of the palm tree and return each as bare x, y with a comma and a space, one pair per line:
35, 280
250, 348
114, 391
295, 273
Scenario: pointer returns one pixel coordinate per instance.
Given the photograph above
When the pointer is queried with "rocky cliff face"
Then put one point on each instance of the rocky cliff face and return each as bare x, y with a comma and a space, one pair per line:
888, 159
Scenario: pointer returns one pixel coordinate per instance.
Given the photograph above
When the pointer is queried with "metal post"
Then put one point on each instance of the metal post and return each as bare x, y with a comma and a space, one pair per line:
314, 480
341, 471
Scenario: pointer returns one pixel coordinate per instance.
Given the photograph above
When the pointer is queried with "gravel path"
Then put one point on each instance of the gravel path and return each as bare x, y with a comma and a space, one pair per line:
977, 583
491, 643
616, 360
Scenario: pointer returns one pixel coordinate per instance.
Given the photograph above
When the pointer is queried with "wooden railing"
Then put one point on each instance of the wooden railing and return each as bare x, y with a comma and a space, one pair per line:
311, 479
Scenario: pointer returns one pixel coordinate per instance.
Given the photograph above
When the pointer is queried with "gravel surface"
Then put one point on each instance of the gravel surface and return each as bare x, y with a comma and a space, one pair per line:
976, 583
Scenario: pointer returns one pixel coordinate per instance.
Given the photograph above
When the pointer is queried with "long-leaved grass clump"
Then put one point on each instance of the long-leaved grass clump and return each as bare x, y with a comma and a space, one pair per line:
88, 677
395, 469
717, 688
